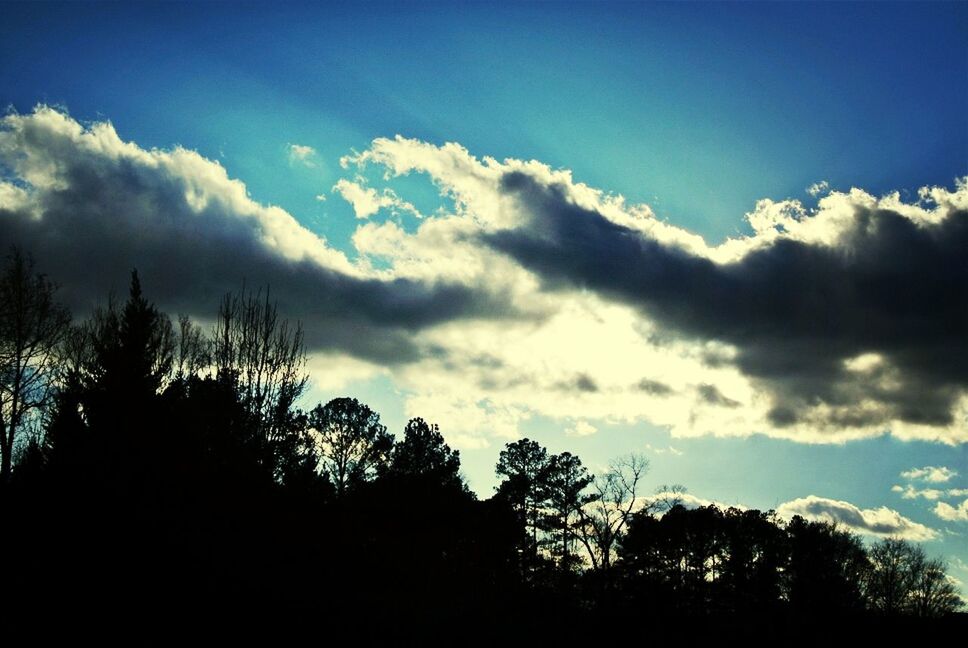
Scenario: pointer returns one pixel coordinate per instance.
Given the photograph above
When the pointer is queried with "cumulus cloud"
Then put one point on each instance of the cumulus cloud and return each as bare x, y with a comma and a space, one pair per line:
881, 522
664, 499
529, 293
910, 492
367, 201
91, 207
957, 513
933, 474
818, 188
302, 154
581, 428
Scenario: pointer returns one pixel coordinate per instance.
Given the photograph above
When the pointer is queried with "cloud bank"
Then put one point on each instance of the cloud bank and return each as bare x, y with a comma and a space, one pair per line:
529, 293
880, 522
91, 207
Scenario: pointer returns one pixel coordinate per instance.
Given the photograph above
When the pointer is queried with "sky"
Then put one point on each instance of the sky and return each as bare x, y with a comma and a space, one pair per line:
728, 236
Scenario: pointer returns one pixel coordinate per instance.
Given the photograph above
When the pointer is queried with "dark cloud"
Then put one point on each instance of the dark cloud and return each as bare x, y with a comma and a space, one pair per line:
194, 236
710, 395
654, 387
581, 382
795, 311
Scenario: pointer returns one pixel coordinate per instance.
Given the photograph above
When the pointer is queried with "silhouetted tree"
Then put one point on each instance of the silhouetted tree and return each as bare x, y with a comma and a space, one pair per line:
892, 575
900, 579
32, 326
422, 453
751, 558
263, 357
354, 446
825, 568
524, 465
608, 512
132, 352
934, 594
193, 349
565, 481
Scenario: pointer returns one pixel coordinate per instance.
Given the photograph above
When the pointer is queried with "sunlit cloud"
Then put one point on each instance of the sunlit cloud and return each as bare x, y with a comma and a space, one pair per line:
880, 522
530, 294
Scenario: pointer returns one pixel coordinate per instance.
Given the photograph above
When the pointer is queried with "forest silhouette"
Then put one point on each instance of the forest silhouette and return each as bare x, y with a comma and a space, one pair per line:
164, 474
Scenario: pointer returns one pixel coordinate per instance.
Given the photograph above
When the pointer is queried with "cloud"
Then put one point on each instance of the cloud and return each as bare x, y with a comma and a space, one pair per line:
818, 188
667, 450
91, 207
664, 498
528, 293
958, 513
711, 395
881, 522
302, 154
367, 201
935, 475
581, 428
910, 492
654, 387
798, 306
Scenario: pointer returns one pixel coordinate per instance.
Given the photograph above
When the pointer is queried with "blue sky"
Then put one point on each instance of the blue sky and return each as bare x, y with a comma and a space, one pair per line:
698, 110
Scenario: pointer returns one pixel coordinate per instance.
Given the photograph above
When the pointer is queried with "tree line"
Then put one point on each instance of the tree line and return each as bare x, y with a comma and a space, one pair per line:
171, 468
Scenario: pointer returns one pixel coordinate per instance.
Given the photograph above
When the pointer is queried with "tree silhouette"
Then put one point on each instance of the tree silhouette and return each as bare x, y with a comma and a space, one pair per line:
32, 326
825, 568
263, 358
354, 445
614, 499
422, 453
900, 579
524, 465
566, 480
132, 353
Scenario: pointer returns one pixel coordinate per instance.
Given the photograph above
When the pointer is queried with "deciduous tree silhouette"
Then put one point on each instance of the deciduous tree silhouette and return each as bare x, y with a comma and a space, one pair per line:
354, 446
32, 326
603, 520
901, 579
263, 357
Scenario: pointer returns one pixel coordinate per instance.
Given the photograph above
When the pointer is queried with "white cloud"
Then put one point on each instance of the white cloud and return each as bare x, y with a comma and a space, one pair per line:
471, 335
818, 188
910, 492
581, 428
367, 201
958, 513
662, 500
667, 450
302, 154
933, 474
880, 522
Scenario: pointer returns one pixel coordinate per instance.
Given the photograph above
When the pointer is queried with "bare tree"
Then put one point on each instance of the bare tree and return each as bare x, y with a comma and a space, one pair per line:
614, 500
934, 593
32, 325
262, 355
192, 350
668, 496
892, 575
